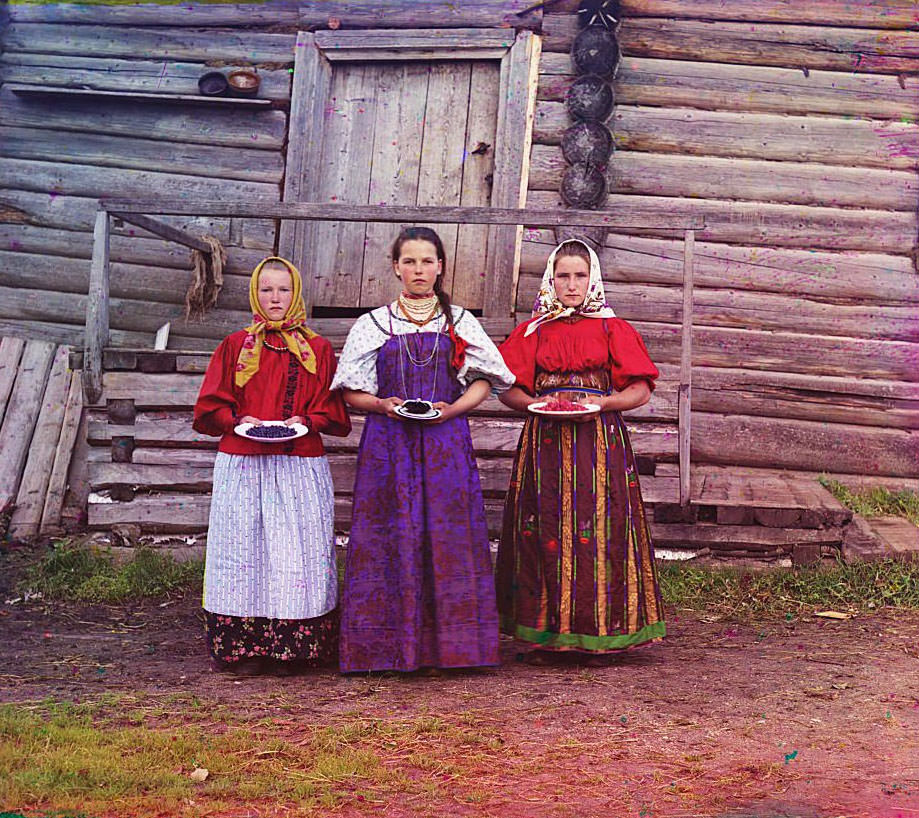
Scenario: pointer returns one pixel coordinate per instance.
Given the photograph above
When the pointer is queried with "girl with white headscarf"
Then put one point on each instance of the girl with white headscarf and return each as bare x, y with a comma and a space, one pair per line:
575, 563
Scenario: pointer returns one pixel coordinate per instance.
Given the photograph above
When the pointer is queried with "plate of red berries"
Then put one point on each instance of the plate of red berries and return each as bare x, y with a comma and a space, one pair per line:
562, 407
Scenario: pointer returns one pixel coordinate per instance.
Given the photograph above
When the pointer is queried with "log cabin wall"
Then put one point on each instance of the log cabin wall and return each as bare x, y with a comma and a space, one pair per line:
792, 128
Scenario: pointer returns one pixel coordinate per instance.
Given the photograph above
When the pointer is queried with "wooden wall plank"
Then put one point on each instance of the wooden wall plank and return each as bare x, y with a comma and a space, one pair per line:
10, 354
174, 43
703, 177
842, 277
264, 130
778, 225
33, 487
21, 415
90, 180
102, 150
57, 480
478, 171
715, 86
402, 93
266, 13
347, 153
143, 76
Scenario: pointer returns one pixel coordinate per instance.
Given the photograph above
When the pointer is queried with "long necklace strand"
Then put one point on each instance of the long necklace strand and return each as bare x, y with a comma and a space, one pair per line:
403, 343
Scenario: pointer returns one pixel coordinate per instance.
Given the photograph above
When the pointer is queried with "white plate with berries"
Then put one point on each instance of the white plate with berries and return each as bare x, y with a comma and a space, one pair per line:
560, 408
271, 431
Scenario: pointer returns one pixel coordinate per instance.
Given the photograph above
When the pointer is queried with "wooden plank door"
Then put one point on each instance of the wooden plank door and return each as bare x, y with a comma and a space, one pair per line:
430, 131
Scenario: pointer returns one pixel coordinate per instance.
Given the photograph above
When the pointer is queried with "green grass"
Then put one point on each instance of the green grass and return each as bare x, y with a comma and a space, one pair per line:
89, 574
774, 592
876, 501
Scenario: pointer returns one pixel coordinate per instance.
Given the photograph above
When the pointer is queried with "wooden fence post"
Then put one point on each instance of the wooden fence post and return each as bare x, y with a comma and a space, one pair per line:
685, 392
97, 310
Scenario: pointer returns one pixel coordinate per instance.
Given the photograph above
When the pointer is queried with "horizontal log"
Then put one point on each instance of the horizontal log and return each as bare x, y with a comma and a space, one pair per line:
864, 50
786, 352
63, 249
840, 277
79, 212
232, 127
136, 76
751, 310
716, 86
869, 13
142, 154
776, 225
414, 44
740, 537
800, 444
659, 174
153, 43
304, 13
826, 140
92, 180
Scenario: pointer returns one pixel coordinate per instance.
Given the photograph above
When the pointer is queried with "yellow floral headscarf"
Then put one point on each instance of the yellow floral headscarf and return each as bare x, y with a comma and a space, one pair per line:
292, 328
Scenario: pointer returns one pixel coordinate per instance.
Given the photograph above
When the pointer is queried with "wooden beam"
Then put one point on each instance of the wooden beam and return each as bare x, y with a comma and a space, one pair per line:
415, 44
195, 99
323, 211
685, 391
166, 231
97, 310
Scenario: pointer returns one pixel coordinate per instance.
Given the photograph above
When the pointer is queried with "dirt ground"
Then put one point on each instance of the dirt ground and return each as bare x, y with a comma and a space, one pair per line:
800, 718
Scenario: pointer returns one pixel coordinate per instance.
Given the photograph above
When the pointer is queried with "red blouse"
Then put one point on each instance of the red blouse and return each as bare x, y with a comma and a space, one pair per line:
578, 346
271, 394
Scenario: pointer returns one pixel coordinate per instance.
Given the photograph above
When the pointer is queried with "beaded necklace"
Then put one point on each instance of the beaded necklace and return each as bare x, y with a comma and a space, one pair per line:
421, 311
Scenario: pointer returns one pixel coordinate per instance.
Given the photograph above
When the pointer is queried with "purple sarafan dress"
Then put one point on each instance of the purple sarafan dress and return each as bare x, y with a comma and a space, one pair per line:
418, 589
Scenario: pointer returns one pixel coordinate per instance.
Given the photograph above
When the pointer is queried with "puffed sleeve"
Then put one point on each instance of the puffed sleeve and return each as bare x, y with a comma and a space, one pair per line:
326, 410
218, 400
357, 364
629, 356
519, 354
482, 358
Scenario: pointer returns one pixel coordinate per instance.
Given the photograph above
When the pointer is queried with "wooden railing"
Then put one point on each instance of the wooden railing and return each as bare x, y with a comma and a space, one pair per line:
139, 213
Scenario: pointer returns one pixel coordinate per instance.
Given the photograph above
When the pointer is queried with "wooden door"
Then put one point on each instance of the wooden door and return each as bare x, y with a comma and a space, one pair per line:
427, 130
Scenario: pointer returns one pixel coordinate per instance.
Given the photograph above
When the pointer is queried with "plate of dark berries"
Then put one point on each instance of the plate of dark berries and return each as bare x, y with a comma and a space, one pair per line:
271, 431
417, 410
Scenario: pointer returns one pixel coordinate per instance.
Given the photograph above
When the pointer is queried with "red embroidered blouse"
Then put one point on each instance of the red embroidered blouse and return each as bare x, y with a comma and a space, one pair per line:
577, 346
278, 390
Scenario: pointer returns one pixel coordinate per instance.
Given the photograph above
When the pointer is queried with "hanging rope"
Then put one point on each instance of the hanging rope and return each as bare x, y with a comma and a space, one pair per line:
208, 279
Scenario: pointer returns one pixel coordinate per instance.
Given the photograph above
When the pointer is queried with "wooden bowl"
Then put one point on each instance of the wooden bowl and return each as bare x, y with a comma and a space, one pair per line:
212, 84
243, 83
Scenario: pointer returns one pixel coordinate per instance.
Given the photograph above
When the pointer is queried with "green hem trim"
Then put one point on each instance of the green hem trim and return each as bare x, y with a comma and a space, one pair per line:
584, 641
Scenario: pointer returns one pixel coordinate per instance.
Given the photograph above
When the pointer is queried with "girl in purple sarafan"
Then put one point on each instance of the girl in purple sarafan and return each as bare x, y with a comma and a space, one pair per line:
419, 589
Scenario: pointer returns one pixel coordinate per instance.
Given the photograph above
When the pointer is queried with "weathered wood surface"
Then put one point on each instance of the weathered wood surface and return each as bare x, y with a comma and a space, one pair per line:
684, 398
97, 306
752, 310
33, 486
889, 144
57, 480
65, 91
658, 174
307, 13
801, 444
30, 245
852, 277
265, 130
516, 110
777, 225
21, 416
135, 76
175, 43
10, 353
415, 44
782, 351
102, 150
865, 50
740, 537
88, 180
717, 86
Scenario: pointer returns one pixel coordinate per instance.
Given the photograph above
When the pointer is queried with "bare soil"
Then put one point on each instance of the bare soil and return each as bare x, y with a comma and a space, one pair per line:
805, 718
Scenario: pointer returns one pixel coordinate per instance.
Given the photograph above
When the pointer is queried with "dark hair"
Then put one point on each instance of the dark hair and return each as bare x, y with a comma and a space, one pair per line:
426, 234
572, 248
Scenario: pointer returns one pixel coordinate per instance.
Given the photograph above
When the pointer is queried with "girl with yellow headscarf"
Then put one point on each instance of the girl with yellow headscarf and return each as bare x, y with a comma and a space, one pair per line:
270, 583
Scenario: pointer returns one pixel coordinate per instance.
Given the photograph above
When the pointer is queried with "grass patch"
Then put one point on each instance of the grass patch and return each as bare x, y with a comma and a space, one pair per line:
90, 574
736, 592
876, 501
128, 756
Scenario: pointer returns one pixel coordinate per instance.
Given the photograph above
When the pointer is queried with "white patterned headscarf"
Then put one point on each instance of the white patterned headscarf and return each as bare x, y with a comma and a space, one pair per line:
548, 307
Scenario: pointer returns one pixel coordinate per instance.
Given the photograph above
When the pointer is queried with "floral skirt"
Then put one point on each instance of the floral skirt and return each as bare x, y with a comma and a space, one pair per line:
311, 642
